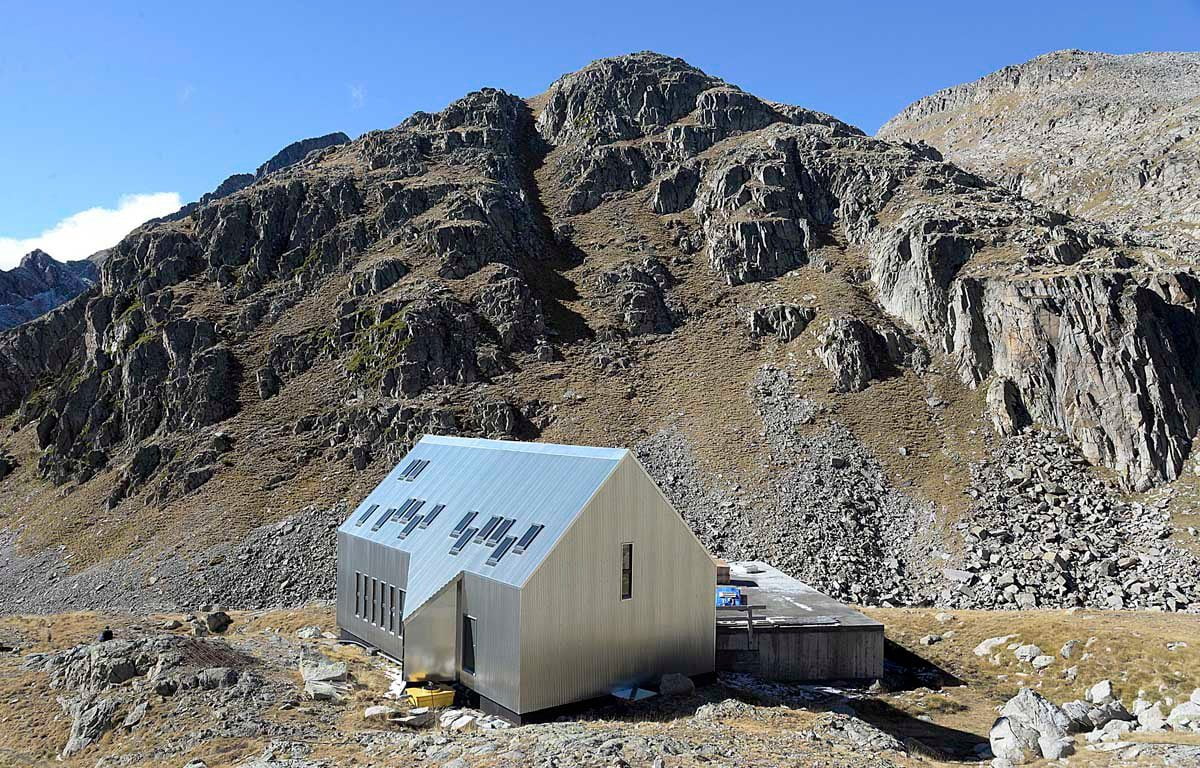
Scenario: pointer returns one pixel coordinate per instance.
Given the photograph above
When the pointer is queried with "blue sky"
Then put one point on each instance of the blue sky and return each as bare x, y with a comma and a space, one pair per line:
113, 113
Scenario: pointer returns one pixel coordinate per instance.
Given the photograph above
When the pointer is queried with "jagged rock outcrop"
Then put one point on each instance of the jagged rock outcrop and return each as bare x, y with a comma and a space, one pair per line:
1101, 136
435, 339
298, 150
854, 352
509, 305
1008, 413
7, 464
377, 278
39, 284
783, 321
287, 157
623, 121
639, 297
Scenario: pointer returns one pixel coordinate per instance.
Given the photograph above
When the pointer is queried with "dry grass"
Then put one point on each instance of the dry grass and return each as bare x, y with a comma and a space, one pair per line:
1129, 648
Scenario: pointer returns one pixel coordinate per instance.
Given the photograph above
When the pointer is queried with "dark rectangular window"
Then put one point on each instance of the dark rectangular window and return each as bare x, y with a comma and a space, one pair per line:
501, 550
527, 538
391, 622
626, 570
462, 541
432, 515
501, 529
417, 469
358, 594
462, 524
404, 507
408, 470
470, 636
487, 529
374, 601
387, 513
367, 514
400, 612
412, 526
412, 510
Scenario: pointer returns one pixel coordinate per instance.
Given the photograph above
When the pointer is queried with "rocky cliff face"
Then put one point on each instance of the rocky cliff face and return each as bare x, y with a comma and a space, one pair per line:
1105, 137
39, 284
749, 293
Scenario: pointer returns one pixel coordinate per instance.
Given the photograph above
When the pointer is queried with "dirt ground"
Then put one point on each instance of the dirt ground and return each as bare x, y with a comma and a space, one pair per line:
949, 713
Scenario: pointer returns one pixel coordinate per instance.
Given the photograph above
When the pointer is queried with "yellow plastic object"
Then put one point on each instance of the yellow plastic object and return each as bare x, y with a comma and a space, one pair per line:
431, 697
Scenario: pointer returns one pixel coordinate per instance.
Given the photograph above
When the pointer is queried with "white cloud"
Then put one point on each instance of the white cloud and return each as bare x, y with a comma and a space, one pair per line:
358, 96
82, 234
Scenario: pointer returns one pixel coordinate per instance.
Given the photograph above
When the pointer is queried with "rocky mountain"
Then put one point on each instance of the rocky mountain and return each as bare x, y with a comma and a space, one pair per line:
890, 376
39, 283
1113, 138
288, 156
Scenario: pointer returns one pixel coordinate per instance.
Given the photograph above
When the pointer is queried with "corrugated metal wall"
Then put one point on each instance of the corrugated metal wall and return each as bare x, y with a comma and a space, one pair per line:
387, 566
579, 639
496, 609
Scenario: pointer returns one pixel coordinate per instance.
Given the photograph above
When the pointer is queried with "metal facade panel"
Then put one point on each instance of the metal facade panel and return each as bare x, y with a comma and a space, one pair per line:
386, 566
496, 609
531, 482
579, 639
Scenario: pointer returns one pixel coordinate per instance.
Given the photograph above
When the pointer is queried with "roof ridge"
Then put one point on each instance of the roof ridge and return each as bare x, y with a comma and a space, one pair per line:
525, 446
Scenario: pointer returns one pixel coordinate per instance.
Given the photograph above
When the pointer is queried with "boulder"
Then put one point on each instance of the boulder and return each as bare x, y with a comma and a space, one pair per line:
89, 720
1100, 693
1034, 711
1027, 652
420, 717
1055, 748
134, 716
1151, 718
379, 712
783, 321
1185, 715
1004, 406
674, 684
1077, 714
320, 690
217, 677
1013, 742
1103, 714
217, 621
854, 353
316, 667
992, 644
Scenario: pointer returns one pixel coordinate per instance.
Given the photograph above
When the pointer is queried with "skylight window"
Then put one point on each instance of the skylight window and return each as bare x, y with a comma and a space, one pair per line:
409, 469
433, 513
370, 510
486, 530
383, 518
412, 510
462, 541
527, 539
501, 529
414, 469
404, 507
412, 526
462, 524
501, 550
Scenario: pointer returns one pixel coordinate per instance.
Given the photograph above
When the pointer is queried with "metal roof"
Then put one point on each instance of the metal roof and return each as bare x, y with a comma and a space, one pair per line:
532, 483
